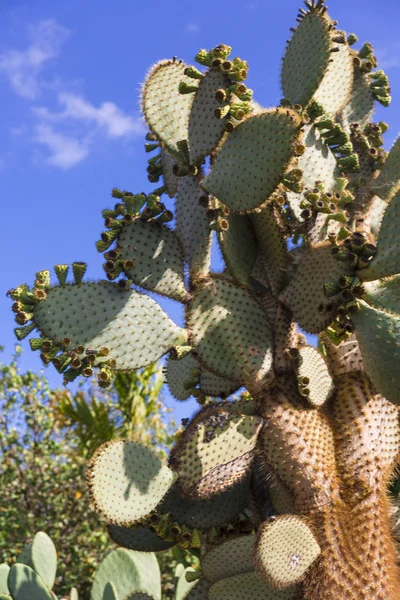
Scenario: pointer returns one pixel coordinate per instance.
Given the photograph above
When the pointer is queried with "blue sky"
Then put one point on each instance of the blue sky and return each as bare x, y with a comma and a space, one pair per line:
70, 127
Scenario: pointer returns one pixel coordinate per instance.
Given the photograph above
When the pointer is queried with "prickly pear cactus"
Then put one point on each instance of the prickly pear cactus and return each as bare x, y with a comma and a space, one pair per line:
282, 489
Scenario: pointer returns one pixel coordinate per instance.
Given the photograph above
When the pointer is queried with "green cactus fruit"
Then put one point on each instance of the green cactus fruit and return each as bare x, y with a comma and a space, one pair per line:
180, 378
198, 591
247, 171
305, 293
4, 571
137, 538
165, 109
386, 261
231, 333
215, 452
203, 514
239, 258
387, 184
25, 584
248, 586
306, 58
130, 573
272, 243
205, 128
110, 593
313, 378
344, 357
171, 181
360, 104
217, 387
192, 225
41, 556
232, 557
158, 258
95, 314
285, 549
126, 481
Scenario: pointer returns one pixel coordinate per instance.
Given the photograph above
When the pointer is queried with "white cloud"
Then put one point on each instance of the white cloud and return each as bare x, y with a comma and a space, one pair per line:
192, 28
65, 151
23, 67
107, 117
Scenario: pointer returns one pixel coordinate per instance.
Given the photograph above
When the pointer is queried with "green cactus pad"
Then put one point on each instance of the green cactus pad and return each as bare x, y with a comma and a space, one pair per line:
388, 182
230, 332
183, 587
110, 593
205, 514
158, 258
306, 59
377, 334
214, 453
166, 110
41, 556
170, 179
126, 481
344, 358
4, 596
337, 83
232, 557
198, 592
179, 374
217, 387
205, 128
360, 104
317, 163
248, 586
272, 242
192, 225
386, 261
247, 170
25, 584
4, 571
314, 381
285, 549
279, 494
132, 326
137, 538
73, 595
239, 257
130, 572
374, 215
305, 293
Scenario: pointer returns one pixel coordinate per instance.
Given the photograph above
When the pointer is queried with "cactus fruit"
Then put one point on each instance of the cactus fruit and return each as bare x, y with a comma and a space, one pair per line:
304, 203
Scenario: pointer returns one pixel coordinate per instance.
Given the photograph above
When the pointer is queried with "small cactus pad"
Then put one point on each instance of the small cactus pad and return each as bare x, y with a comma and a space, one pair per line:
337, 82
168, 163
377, 334
343, 358
41, 556
73, 595
285, 549
157, 255
215, 452
247, 170
279, 494
217, 387
388, 182
130, 572
25, 584
126, 481
230, 332
232, 557
386, 261
203, 514
360, 105
132, 326
248, 586
305, 295
166, 110
198, 592
183, 586
317, 163
182, 376
110, 593
306, 59
205, 128
4, 571
137, 538
313, 379
239, 257
192, 225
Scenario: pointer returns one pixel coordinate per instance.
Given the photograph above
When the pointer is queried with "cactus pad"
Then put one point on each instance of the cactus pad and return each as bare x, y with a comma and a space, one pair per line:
388, 182
217, 387
158, 258
4, 571
215, 452
247, 171
126, 481
305, 293
198, 592
313, 379
386, 261
337, 83
97, 315
248, 586
239, 258
343, 358
171, 181
230, 332
137, 538
25, 584
166, 110
110, 593
232, 557
179, 375
41, 556
360, 105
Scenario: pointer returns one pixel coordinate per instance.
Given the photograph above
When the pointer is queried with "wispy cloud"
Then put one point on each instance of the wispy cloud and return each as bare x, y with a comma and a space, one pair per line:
192, 28
65, 151
23, 67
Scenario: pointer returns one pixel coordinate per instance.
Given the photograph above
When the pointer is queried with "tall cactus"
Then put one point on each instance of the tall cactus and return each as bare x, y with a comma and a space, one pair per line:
305, 204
